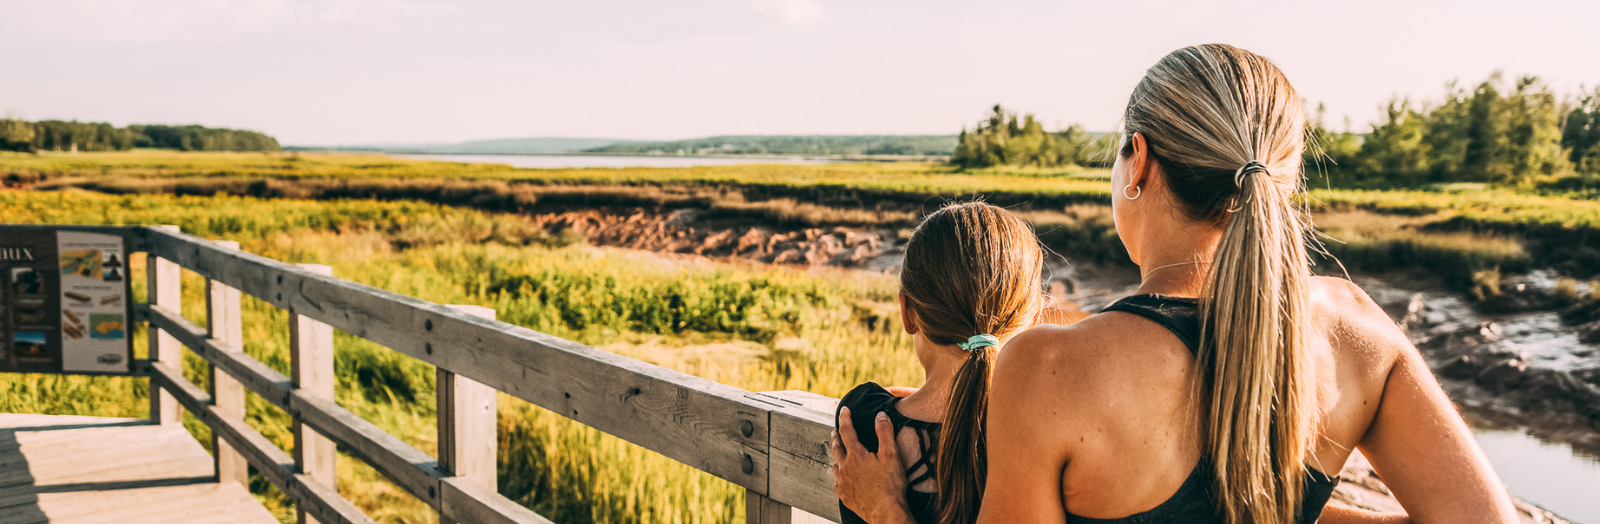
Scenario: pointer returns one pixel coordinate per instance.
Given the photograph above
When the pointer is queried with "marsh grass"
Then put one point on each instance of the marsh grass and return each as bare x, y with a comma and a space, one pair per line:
1466, 225
755, 327
1373, 243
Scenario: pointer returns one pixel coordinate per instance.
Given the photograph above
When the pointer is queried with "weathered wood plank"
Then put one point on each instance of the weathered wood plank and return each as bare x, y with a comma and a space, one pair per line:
409, 468
466, 420
713, 427
83, 471
324, 503
311, 369
273, 463
464, 500
801, 466
163, 288
759, 509
406, 466
224, 322
271, 385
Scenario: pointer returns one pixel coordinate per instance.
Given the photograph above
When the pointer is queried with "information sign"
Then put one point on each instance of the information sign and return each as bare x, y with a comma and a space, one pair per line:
65, 306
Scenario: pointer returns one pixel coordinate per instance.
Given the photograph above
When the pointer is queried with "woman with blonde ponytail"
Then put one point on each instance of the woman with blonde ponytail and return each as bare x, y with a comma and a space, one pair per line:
1232, 387
970, 281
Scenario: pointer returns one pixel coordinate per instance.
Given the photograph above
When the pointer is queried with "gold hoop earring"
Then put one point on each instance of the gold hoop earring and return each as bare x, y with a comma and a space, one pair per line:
1136, 192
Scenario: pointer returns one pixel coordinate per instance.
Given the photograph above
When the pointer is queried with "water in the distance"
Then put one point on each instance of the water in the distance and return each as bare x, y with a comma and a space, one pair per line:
560, 161
1550, 475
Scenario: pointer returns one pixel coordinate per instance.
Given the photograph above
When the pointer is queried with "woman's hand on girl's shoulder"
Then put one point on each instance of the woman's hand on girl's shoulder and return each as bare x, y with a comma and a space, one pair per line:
871, 484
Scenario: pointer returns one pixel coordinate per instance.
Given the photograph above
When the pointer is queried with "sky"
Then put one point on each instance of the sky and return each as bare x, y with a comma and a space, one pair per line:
328, 72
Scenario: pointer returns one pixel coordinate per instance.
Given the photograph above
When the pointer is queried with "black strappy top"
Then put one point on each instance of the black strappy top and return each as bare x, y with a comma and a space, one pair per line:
865, 402
1193, 503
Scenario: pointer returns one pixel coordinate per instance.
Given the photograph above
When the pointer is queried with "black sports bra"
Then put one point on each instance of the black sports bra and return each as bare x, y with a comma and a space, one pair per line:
1193, 503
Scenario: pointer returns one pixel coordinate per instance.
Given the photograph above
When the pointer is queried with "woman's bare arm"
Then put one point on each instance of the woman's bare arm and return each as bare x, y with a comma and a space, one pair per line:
1421, 446
1340, 515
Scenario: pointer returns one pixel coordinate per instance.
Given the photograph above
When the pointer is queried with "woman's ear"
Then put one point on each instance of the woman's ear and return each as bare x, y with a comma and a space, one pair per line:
908, 316
1139, 162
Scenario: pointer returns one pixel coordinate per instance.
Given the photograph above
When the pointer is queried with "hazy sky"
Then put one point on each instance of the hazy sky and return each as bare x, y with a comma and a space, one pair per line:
362, 71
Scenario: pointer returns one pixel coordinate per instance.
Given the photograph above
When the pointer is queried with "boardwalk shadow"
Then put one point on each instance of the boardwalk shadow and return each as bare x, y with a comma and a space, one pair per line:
79, 467
19, 503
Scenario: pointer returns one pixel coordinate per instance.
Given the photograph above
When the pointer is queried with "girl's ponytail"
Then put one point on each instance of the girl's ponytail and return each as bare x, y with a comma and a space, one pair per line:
971, 275
963, 463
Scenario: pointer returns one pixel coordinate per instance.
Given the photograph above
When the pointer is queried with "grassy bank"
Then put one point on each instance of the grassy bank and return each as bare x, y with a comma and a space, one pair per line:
759, 328
1449, 230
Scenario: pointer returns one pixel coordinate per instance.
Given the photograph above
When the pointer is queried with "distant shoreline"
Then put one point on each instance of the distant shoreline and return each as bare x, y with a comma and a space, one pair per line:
814, 158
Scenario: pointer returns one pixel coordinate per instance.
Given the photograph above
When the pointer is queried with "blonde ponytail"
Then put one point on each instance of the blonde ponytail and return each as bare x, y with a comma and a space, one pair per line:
1227, 131
1260, 401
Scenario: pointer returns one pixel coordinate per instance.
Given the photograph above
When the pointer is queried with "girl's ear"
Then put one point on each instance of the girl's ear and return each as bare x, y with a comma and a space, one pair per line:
908, 317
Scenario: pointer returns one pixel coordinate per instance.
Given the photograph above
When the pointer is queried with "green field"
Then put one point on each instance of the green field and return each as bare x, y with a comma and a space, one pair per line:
759, 328
384, 221
1480, 204
1457, 228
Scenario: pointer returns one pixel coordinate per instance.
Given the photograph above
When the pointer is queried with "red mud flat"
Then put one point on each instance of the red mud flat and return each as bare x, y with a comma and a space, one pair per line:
682, 231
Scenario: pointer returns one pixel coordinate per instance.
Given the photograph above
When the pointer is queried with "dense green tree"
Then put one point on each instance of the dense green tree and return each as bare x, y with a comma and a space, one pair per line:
1518, 134
15, 135
1581, 135
61, 135
1005, 138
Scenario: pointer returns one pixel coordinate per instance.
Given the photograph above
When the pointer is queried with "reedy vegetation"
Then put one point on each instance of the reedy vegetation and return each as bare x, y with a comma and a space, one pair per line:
1466, 226
760, 328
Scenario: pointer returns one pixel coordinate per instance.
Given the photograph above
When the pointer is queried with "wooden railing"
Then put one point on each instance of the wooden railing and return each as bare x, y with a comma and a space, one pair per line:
770, 444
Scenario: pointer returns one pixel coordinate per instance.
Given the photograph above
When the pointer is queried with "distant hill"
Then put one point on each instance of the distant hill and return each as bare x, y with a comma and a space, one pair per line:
904, 145
500, 146
922, 145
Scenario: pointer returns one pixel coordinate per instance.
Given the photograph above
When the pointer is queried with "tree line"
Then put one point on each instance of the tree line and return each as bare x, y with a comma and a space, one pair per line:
1513, 133
61, 135
1517, 133
1004, 138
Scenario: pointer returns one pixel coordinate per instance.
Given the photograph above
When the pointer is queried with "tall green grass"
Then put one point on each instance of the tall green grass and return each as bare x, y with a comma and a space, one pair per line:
1554, 229
755, 327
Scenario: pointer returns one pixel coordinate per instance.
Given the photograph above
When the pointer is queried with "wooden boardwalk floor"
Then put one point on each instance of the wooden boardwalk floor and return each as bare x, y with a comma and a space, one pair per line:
82, 470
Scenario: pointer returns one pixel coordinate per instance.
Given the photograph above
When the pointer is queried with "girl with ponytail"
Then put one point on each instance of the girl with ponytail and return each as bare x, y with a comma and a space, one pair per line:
1233, 386
969, 282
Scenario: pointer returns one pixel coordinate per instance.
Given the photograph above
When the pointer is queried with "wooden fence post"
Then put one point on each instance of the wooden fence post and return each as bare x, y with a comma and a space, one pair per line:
164, 287
311, 370
759, 509
224, 323
467, 416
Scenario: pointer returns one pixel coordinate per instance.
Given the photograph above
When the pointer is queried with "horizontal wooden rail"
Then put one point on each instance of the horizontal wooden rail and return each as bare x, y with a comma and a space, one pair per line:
411, 469
771, 445
271, 462
714, 427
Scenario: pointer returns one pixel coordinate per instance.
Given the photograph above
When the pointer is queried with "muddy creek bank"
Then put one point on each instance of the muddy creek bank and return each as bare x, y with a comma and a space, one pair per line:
1522, 368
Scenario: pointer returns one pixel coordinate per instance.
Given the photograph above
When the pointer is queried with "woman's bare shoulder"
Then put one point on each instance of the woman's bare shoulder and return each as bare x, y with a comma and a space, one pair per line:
1074, 349
1358, 329
1092, 361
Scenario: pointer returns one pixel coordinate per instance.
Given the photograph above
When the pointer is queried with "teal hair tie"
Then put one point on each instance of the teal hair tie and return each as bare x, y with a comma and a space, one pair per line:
977, 342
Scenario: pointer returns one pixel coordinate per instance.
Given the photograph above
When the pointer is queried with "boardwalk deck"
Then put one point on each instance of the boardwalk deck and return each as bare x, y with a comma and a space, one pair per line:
81, 470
